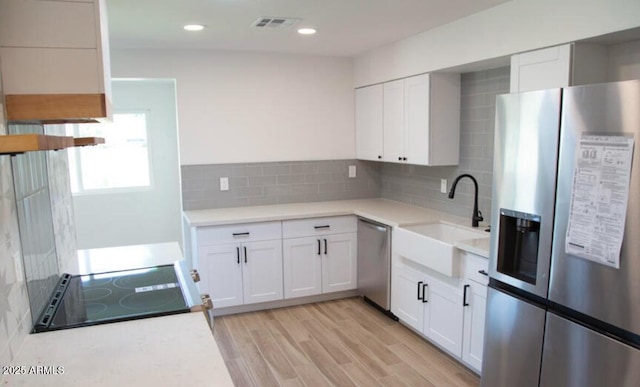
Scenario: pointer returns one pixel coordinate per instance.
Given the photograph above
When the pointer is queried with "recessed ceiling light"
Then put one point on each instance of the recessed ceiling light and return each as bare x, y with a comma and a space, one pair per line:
306, 31
194, 27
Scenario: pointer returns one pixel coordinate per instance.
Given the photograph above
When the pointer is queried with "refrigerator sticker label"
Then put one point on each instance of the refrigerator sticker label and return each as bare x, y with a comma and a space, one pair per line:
599, 198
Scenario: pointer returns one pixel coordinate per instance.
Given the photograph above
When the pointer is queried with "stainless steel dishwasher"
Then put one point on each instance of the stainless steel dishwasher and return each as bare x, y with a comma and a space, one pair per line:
374, 264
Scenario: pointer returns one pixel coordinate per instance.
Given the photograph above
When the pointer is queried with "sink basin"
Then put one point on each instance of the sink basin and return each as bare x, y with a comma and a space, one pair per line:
433, 245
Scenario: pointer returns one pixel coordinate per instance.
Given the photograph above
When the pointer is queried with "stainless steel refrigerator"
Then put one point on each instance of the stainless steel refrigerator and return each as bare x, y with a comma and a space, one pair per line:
563, 305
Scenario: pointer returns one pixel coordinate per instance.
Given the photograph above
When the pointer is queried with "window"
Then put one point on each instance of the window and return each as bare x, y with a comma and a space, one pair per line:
122, 163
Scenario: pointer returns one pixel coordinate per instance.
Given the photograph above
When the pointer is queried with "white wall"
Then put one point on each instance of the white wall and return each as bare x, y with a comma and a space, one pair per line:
253, 107
515, 26
147, 215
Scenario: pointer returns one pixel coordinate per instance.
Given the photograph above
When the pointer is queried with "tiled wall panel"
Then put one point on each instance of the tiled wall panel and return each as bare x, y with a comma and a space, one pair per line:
255, 184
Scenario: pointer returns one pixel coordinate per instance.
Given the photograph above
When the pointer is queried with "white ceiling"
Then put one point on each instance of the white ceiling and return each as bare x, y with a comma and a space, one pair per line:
345, 27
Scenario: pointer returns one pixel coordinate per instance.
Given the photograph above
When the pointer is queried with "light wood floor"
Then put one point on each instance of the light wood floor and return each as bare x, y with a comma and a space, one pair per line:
342, 343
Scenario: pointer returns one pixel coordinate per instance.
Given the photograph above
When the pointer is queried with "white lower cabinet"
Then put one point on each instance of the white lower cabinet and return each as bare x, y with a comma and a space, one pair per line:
448, 311
240, 264
324, 260
244, 273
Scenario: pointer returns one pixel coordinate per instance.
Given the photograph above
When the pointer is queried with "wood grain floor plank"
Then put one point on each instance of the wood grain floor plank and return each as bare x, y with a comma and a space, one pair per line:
360, 375
330, 369
433, 374
287, 344
329, 342
372, 325
224, 340
363, 354
303, 346
392, 381
411, 377
273, 355
311, 376
239, 372
370, 341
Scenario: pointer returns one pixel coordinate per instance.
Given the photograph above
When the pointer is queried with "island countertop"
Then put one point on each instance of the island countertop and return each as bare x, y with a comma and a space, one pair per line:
170, 350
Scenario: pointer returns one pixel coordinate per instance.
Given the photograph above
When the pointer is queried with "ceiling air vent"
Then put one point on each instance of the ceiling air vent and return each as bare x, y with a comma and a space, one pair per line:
275, 22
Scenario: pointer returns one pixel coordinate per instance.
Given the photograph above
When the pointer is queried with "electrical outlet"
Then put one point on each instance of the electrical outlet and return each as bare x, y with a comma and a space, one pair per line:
443, 185
224, 184
352, 171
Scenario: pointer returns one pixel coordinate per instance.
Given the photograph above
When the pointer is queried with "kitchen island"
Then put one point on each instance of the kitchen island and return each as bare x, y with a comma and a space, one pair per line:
170, 350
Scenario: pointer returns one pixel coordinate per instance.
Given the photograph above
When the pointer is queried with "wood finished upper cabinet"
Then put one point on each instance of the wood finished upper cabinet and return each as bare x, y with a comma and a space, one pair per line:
368, 106
55, 61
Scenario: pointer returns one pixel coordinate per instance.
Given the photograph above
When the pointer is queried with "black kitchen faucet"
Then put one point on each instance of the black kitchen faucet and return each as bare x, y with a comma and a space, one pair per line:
477, 215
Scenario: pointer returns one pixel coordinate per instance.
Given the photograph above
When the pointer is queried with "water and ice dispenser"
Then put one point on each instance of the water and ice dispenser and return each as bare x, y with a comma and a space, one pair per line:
519, 238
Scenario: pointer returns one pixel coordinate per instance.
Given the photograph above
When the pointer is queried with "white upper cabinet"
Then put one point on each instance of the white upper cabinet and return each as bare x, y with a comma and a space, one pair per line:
369, 123
418, 121
560, 66
393, 113
55, 60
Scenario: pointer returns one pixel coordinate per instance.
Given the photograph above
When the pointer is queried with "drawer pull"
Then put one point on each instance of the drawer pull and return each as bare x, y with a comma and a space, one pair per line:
483, 272
464, 295
321, 227
240, 234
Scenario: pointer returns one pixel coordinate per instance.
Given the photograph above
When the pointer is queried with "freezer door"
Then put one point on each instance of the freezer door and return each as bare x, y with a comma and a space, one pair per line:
575, 356
524, 179
513, 338
605, 293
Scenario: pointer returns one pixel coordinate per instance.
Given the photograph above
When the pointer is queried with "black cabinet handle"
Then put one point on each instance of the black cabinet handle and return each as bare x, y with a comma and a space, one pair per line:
321, 227
483, 272
379, 157
325, 247
245, 254
399, 158
464, 295
319, 251
404, 159
238, 254
424, 293
239, 234
419, 283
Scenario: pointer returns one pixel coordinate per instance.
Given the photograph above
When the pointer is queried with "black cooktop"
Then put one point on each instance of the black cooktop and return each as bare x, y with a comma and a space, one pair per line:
114, 296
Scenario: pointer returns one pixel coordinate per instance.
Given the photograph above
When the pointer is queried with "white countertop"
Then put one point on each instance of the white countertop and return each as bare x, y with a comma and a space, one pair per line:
177, 350
165, 351
384, 211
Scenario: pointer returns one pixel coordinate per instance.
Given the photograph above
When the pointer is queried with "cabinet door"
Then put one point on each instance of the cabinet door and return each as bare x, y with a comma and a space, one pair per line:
368, 107
416, 122
302, 266
406, 294
221, 274
541, 69
339, 262
262, 271
394, 121
443, 315
473, 330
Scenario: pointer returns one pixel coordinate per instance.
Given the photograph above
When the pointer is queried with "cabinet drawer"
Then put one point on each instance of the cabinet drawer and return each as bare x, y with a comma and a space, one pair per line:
319, 226
247, 232
473, 265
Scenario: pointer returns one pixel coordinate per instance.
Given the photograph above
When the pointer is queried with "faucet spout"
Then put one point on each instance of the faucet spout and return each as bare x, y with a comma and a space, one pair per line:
477, 215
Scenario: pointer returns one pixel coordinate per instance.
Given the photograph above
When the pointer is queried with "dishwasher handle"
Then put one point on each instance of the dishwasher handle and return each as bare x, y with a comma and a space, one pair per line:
374, 226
